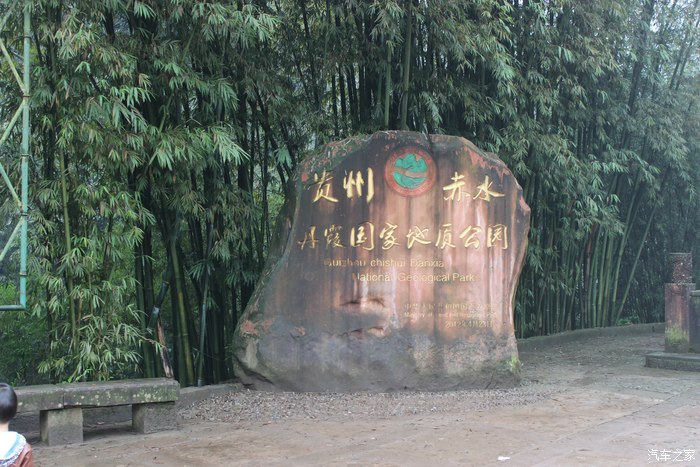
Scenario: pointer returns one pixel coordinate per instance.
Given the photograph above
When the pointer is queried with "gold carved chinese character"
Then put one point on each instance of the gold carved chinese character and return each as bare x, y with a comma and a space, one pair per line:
497, 234
363, 236
354, 182
332, 235
309, 238
416, 234
485, 192
454, 189
323, 189
445, 237
470, 237
388, 237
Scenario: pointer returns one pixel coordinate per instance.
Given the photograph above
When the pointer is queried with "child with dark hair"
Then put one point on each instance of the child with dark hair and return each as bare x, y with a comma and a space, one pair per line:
14, 449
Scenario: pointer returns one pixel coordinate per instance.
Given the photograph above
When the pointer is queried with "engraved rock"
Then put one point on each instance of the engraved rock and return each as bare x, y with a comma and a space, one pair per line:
395, 267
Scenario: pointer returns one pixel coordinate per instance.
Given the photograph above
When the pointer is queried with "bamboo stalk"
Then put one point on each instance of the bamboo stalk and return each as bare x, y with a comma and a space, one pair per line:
629, 222
630, 277
69, 248
203, 325
187, 377
406, 64
387, 90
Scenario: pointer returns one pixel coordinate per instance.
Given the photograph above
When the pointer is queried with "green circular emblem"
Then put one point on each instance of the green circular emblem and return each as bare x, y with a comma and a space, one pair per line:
410, 171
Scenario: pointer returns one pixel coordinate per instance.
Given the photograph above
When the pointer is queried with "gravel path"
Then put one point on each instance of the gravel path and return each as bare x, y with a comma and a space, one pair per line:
585, 399
546, 369
259, 406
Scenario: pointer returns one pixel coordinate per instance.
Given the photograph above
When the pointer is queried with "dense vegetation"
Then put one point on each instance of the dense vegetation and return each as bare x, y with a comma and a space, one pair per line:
163, 132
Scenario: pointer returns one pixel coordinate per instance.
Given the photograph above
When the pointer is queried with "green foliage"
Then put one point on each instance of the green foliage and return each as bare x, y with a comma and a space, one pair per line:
135, 134
23, 343
108, 339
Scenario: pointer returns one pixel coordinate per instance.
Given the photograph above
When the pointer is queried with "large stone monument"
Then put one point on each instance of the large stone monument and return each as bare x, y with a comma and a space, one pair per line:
396, 266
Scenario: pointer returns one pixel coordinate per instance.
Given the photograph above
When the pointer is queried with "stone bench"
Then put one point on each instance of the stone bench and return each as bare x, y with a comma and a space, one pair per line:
61, 406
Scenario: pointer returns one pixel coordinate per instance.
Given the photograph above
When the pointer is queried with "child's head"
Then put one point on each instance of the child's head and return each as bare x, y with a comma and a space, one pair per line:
8, 403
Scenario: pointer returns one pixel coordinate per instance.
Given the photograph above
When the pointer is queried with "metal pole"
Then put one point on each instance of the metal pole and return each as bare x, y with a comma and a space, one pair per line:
23, 199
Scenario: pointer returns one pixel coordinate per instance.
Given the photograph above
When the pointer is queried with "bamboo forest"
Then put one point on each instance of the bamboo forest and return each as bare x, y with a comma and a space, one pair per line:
163, 133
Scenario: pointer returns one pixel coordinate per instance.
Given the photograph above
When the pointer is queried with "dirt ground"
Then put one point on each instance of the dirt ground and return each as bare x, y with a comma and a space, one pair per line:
584, 400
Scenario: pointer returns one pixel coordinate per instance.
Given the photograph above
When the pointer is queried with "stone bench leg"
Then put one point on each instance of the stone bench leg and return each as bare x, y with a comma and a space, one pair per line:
63, 426
149, 418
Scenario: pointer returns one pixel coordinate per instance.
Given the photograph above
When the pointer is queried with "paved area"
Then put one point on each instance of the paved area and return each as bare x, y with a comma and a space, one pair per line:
586, 399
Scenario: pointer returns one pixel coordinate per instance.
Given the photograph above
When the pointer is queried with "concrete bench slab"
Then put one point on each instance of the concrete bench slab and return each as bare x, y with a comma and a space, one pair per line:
125, 392
152, 401
40, 397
